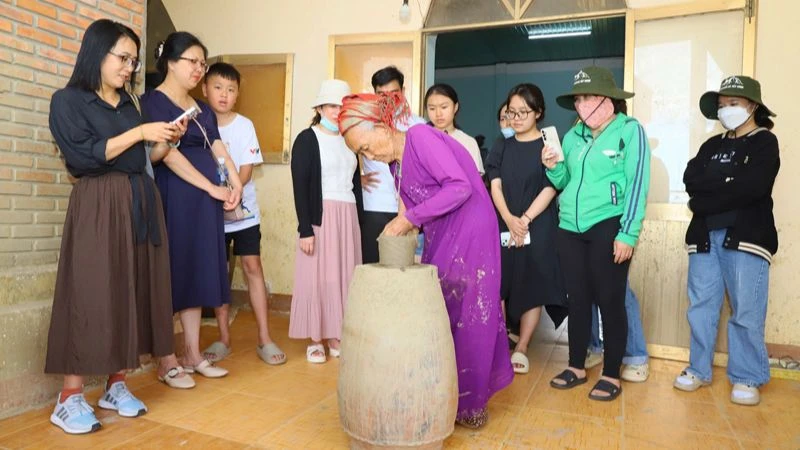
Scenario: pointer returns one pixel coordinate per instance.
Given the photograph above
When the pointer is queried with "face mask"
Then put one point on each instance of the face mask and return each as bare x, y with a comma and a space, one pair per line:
732, 117
328, 125
507, 132
596, 112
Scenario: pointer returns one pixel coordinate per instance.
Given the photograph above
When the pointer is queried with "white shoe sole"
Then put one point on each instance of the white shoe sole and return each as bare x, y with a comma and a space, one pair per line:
60, 423
752, 401
108, 405
688, 387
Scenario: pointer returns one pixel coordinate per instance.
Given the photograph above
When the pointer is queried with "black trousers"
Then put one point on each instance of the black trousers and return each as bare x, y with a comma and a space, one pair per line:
372, 225
592, 277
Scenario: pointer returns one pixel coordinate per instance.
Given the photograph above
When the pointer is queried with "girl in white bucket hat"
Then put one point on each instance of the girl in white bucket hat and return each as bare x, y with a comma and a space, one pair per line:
327, 188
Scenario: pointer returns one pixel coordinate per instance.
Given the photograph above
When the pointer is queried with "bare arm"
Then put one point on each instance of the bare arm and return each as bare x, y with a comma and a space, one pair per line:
154, 132
178, 163
500, 200
245, 173
540, 203
219, 150
518, 226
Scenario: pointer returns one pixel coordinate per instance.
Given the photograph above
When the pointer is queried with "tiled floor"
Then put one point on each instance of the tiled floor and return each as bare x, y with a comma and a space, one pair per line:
294, 407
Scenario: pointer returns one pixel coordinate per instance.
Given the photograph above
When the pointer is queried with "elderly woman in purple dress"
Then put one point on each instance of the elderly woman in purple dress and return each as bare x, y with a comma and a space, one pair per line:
442, 191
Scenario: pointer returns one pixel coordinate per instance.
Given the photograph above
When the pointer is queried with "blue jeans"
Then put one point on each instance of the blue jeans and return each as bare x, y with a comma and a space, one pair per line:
746, 278
635, 347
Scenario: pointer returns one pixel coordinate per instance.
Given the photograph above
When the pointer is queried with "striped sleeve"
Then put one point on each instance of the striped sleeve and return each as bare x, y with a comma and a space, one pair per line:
637, 175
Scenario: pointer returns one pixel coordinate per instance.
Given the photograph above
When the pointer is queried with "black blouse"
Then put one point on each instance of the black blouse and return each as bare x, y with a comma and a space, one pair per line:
82, 123
519, 166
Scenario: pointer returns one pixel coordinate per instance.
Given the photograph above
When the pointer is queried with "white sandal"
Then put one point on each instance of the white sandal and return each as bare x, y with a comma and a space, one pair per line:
310, 353
334, 352
521, 359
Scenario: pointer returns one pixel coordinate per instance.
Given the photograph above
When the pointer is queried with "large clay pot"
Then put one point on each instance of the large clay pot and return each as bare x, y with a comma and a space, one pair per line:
398, 385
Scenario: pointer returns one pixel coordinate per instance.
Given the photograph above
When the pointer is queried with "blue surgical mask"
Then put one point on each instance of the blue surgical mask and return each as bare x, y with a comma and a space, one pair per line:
507, 132
330, 126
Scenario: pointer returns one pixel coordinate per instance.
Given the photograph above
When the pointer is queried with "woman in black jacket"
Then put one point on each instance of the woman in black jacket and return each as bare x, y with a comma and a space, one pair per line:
732, 237
327, 190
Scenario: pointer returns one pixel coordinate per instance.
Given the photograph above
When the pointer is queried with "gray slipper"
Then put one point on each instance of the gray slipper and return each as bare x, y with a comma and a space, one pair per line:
216, 352
268, 351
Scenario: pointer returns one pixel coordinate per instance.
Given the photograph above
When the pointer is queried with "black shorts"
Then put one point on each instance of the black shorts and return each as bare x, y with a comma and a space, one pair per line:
246, 241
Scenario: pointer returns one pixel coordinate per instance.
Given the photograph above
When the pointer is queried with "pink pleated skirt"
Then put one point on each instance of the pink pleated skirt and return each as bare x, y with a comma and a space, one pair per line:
322, 279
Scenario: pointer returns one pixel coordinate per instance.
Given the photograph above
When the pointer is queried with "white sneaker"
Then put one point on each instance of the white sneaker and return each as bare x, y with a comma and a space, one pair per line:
120, 399
74, 416
742, 394
688, 382
593, 359
636, 373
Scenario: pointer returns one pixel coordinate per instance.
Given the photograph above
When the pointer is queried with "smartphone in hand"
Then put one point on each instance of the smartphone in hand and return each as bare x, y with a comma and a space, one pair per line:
190, 113
505, 238
550, 138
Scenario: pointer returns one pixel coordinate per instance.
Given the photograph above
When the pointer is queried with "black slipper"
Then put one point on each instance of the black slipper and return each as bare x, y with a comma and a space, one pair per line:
569, 378
608, 387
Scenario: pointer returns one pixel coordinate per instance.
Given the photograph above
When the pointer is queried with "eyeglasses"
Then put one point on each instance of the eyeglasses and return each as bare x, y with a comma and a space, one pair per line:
197, 63
129, 61
521, 115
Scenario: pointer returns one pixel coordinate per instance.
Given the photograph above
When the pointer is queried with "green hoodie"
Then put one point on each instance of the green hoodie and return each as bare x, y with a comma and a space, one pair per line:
604, 178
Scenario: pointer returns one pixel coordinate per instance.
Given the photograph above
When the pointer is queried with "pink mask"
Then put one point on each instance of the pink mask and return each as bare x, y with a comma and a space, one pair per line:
595, 112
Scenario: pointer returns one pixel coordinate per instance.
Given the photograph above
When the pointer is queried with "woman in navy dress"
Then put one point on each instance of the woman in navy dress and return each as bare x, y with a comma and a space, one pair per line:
194, 218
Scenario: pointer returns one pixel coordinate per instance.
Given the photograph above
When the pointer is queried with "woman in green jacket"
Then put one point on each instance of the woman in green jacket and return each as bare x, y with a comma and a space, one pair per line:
603, 179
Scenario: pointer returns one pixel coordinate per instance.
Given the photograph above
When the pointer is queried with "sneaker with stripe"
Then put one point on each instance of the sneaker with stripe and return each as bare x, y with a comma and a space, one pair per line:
120, 399
74, 415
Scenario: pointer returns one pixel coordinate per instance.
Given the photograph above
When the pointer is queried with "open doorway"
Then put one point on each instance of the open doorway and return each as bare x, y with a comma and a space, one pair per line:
484, 64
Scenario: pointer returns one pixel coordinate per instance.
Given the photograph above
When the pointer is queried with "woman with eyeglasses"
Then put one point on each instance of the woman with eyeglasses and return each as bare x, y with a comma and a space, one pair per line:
523, 196
194, 218
441, 105
112, 293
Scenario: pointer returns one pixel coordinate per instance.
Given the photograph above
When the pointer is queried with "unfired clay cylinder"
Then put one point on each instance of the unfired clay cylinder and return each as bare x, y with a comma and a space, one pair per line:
397, 373
397, 251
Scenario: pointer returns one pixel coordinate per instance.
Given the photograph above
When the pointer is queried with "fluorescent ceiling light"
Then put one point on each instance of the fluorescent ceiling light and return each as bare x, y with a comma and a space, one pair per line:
559, 30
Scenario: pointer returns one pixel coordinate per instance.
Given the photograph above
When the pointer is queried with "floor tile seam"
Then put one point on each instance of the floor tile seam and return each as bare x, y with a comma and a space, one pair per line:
515, 422
157, 426
622, 442
25, 427
721, 409
294, 418
709, 433
571, 414
260, 397
192, 430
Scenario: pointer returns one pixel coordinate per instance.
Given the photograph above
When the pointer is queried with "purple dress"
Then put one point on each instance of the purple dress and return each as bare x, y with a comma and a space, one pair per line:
194, 219
444, 193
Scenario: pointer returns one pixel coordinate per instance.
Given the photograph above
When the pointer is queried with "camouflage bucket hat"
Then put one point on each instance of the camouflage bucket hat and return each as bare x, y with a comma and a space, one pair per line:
735, 86
592, 81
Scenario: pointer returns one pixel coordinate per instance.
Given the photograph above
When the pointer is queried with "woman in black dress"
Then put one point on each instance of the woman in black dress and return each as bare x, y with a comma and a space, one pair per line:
524, 198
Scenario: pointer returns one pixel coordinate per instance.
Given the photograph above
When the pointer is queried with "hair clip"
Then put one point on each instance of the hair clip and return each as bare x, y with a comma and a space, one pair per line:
160, 50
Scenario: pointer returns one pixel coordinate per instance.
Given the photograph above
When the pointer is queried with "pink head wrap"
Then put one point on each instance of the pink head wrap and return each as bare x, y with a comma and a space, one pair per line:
386, 108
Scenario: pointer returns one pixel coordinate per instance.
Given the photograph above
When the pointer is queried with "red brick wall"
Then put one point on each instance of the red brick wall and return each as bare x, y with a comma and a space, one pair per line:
39, 41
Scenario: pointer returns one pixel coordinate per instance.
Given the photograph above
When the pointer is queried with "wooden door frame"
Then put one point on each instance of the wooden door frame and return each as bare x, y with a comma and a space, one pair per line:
266, 59
412, 37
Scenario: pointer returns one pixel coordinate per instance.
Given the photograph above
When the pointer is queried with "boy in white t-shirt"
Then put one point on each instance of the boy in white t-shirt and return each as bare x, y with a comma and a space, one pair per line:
221, 89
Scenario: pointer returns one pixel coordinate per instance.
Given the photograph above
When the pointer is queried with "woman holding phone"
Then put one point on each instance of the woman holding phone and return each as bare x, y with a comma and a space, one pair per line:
523, 196
603, 179
113, 272
194, 219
